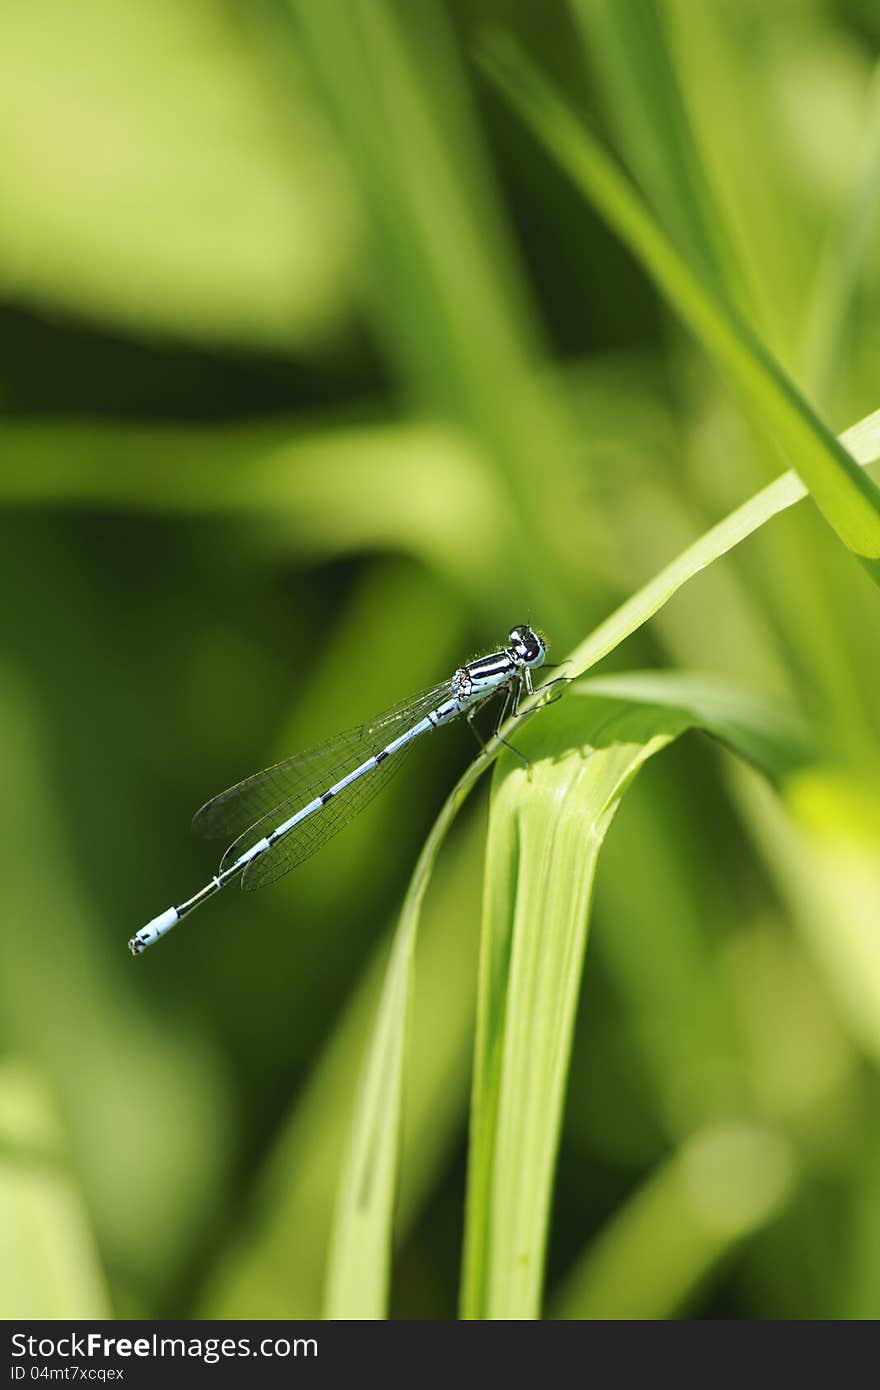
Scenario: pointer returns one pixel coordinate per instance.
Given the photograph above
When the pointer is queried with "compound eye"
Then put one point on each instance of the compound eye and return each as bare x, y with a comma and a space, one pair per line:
527, 645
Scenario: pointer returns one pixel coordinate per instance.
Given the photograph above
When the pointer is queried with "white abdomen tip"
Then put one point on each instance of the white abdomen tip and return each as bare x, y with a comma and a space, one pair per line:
153, 930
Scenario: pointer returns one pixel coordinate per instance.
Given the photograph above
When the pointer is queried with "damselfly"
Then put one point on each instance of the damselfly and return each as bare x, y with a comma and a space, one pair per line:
278, 818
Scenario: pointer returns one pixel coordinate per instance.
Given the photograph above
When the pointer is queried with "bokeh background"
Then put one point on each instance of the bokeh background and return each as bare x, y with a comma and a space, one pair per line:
315, 377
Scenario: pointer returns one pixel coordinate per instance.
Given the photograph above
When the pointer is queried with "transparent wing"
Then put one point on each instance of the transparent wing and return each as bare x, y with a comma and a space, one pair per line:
314, 832
254, 807
242, 805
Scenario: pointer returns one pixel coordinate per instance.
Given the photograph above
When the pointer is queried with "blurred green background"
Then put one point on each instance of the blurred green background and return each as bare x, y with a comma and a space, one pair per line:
316, 376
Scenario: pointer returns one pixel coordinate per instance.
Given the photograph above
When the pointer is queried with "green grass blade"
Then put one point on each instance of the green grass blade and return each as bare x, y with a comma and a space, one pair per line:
722, 1185
834, 300
309, 477
448, 297
849, 500
358, 1272
630, 51
547, 825
358, 1277
328, 487
275, 1265
359, 1261
821, 851
50, 1265
862, 440
540, 870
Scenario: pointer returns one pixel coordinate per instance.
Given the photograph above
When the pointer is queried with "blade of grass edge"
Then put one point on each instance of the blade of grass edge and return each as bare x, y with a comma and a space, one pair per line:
627, 45
848, 499
546, 828
360, 1247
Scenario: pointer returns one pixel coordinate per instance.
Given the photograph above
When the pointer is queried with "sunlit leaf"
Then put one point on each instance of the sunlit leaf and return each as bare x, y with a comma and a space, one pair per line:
361, 1251
849, 500
546, 828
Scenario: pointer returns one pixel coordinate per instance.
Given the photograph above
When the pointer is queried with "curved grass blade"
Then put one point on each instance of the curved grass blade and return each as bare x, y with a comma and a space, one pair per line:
274, 1265
546, 828
863, 442
358, 1272
848, 499
360, 1250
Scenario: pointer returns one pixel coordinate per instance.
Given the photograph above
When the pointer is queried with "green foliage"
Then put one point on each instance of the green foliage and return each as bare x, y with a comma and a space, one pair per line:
319, 370
246, 235
850, 502
546, 829
359, 1267
50, 1268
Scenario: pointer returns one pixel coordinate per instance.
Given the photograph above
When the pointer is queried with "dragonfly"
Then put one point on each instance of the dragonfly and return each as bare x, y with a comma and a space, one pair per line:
278, 818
